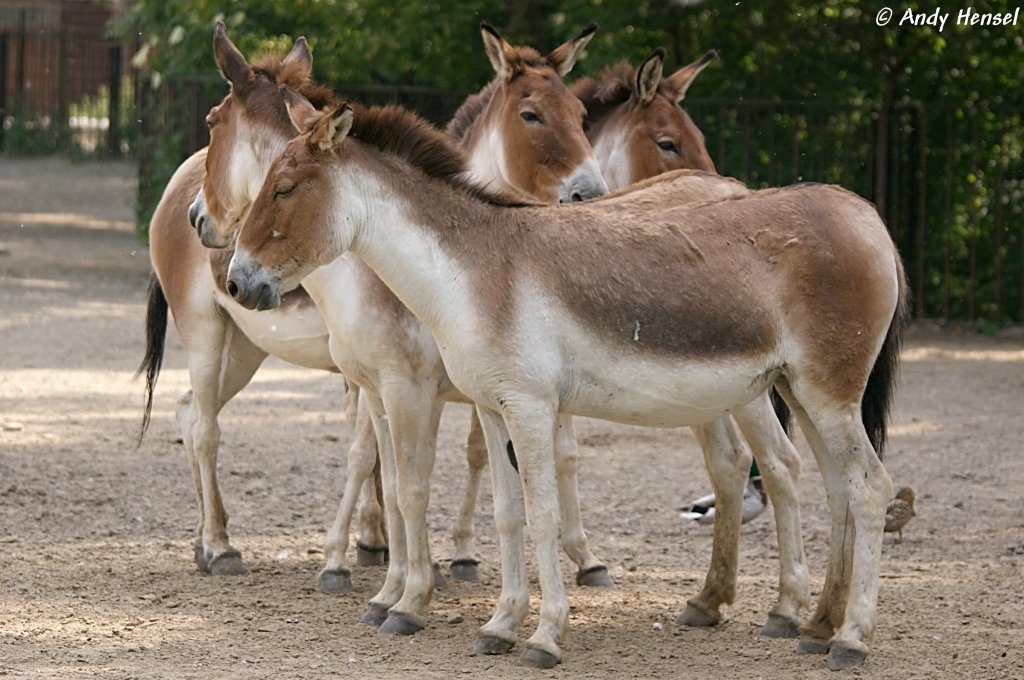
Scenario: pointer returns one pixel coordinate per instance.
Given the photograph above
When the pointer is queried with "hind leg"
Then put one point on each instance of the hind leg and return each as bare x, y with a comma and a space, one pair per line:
728, 461
464, 564
590, 570
218, 368
858, 489
779, 465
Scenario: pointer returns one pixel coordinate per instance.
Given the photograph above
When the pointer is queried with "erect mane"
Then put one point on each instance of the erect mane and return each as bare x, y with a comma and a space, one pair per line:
467, 114
609, 89
401, 132
274, 69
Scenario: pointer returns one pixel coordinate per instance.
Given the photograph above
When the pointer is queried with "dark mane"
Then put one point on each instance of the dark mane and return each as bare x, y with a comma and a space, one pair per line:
463, 120
611, 88
401, 132
273, 68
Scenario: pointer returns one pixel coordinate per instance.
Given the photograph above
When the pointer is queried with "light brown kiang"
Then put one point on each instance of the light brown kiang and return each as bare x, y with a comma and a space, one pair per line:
373, 337
669, 315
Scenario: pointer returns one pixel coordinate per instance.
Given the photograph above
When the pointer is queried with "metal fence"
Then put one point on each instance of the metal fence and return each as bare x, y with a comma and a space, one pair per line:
947, 180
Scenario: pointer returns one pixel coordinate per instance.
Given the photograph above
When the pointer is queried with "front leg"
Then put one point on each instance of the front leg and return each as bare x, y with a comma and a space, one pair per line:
498, 635
728, 462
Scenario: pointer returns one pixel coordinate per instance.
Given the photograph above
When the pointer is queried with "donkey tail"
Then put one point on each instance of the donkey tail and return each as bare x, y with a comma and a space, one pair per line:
877, 400
156, 333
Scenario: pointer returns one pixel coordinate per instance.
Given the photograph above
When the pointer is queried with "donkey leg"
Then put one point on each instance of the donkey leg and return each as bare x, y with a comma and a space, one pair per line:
414, 413
728, 462
336, 576
498, 635
532, 424
859, 489
219, 367
779, 464
464, 565
590, 570
394, 581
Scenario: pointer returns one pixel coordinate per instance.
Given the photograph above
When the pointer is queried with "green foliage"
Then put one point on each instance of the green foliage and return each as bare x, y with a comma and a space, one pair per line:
924, 123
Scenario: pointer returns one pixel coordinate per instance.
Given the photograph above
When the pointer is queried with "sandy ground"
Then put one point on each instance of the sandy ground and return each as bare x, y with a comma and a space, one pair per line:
96, 571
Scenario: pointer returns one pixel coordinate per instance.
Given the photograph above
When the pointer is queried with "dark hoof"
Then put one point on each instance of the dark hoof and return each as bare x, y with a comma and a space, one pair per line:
492, 645
440, 582
595, 577
841, 657
228, 563
368, 556
697, 617
398, 623
810, 644
336, 581
779, 626
375, 614
465, 570
535, 657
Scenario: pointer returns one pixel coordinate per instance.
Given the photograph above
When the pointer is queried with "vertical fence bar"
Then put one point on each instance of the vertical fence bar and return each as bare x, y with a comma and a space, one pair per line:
3, 85
922, 210
974, 229
948, 224
114, 110
997, 312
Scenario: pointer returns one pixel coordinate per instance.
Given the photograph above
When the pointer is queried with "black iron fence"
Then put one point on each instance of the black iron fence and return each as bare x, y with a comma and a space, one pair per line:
948, 180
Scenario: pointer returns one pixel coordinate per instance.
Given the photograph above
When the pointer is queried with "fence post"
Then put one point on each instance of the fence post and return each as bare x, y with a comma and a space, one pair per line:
3, 85
114, 109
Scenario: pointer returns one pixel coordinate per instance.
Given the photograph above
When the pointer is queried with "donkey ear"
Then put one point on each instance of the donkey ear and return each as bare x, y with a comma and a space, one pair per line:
302, 113
564, 57
331, 129
230, 61
498, 50
300, 58
649, 75
679, 82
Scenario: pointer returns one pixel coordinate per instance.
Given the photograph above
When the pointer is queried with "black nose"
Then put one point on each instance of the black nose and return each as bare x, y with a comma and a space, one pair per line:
576, 197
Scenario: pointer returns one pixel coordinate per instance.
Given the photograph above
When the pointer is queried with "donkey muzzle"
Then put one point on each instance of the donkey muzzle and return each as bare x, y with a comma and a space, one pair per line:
584, 183
251, 286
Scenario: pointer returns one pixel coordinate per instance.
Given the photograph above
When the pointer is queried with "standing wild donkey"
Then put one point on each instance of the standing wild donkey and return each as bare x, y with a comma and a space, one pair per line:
669, 317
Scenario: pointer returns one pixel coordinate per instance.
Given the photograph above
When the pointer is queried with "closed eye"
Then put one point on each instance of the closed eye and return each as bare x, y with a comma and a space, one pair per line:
284, 191
669, 146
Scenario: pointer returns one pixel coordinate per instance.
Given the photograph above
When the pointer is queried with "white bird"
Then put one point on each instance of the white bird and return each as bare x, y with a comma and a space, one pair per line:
755, 500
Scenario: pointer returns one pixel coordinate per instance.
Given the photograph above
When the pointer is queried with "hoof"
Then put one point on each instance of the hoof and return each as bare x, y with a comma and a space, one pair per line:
465, 570
368, 556
535, 657
336, 581
841, 657
398, 623
375, 615
779, 626
595, 577
228, 563
696, 617
440, 582
199, 555
810, 644
492, 645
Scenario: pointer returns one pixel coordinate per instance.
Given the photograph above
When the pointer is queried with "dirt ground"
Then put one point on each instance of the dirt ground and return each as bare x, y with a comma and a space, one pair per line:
96, 571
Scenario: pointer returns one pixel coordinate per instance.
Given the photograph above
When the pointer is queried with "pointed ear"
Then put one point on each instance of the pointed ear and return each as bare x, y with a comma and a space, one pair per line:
679, 82
564, 57
331, 129
302, 113
648, 75
498, 50
230, 61
300, 58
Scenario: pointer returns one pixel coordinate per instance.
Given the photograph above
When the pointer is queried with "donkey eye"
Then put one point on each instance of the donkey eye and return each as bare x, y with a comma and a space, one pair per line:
530, 117
284, 191
668, 145
210, 122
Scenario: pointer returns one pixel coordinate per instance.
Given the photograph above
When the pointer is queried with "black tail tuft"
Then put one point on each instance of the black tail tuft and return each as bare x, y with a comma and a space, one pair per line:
782, 412
156, 333
877, 401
